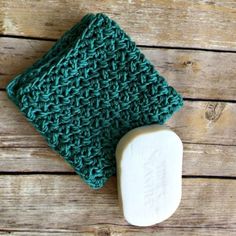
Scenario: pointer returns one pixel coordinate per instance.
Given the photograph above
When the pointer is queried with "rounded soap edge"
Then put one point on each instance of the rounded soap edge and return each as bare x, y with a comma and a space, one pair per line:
137, 131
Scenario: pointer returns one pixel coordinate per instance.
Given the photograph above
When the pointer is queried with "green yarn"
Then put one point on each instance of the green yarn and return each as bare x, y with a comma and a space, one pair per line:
87, 91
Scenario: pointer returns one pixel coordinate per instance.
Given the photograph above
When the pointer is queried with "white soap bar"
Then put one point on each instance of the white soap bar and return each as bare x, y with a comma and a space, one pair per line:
149, 174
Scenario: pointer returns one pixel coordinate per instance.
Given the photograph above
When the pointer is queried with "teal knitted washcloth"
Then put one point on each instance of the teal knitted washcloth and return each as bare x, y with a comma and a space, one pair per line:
87, 91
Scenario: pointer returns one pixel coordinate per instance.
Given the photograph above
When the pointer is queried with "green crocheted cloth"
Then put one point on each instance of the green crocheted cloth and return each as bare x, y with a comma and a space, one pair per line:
87, 91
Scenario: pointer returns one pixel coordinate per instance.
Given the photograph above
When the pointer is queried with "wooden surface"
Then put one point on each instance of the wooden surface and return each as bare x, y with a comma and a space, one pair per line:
193, 44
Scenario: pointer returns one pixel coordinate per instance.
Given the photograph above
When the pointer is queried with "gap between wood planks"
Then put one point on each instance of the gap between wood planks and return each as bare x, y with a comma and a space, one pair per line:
185, 99
139, 45
106, 230
16, 173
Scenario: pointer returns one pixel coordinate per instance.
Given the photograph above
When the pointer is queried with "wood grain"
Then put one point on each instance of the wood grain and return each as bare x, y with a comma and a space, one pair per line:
199, 160
126, 231
197, 122
200, 23
66, 203
32, 160
194, 73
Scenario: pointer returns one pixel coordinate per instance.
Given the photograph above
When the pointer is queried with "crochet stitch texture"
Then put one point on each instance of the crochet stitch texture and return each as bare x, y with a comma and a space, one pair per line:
87, 91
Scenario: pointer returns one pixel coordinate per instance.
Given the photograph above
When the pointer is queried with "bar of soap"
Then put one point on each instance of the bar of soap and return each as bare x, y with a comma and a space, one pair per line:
149, 174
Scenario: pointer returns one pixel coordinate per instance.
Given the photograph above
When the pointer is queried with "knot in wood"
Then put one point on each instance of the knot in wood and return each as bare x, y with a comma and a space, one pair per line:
214, 110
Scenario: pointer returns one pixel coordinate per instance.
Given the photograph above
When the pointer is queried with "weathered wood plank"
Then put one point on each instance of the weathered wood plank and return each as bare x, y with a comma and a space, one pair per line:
206, 122
205, 24
66, 203
197, 122
78, 233
177, 232
33, 140
18, 54
198, 160
125, 231
209, 160
32, 160
194, 73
